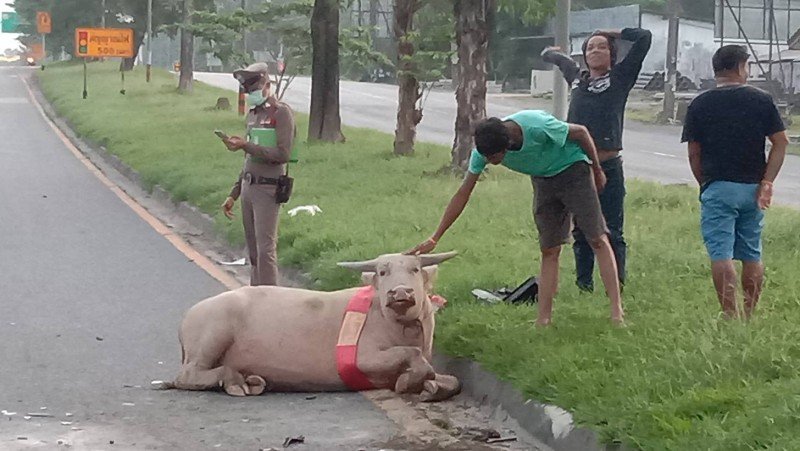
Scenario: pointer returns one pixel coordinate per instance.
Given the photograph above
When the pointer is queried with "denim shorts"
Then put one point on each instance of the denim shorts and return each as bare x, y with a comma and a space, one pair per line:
731, 221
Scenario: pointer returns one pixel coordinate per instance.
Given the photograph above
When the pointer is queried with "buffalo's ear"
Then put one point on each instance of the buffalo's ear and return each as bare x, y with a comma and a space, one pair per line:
368, 278
429, 275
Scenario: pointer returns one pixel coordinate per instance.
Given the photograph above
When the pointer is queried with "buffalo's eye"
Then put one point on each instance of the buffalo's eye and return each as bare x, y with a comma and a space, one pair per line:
382, 273
415, 270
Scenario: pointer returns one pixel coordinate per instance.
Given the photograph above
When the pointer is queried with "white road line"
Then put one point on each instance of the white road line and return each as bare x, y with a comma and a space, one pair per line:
664, 155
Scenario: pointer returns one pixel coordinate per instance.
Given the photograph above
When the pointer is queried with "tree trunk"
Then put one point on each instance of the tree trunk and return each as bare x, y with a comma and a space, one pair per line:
186, 83
472, 40
325, 123
408, 115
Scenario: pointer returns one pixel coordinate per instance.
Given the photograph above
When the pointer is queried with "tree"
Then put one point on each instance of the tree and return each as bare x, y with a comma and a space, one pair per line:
473, 20
408, 115
358, 56
222, 32
325, 123
186, 81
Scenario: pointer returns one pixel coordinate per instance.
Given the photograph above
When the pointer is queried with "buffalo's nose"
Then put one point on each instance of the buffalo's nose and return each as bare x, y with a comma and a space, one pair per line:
401, 294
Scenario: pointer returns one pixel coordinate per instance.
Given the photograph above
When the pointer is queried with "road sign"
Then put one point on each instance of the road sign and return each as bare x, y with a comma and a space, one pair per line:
44, 25
36, 51
104, 42
10, 22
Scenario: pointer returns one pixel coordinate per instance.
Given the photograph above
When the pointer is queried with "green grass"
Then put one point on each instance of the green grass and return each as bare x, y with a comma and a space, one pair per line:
677, 378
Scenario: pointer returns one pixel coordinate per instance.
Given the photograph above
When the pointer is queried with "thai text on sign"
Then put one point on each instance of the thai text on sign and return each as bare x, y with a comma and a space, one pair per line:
104, 42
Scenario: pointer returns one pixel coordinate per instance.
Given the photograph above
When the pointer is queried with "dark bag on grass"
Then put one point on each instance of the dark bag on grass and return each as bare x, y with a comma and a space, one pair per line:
528, 292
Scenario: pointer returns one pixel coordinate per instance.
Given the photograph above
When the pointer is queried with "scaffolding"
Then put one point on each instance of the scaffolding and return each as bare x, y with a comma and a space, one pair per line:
766, 27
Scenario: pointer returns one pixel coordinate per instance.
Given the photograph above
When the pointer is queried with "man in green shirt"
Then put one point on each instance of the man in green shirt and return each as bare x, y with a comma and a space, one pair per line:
562, 161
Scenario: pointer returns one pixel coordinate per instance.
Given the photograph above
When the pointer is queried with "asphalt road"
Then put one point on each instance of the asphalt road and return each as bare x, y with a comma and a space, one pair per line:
90, 302
651, 152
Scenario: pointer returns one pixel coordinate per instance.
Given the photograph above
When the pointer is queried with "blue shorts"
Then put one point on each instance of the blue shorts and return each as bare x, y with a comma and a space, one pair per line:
731, 221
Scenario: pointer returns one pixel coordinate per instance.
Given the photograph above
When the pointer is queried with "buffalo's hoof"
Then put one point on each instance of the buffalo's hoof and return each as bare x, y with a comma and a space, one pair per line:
235, 390
442, 388
255, 385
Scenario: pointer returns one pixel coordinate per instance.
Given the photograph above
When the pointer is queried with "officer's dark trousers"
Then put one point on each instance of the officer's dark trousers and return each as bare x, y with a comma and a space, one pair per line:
612, 201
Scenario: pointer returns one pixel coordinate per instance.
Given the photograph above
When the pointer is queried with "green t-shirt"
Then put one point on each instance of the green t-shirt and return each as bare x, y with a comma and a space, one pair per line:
545, 150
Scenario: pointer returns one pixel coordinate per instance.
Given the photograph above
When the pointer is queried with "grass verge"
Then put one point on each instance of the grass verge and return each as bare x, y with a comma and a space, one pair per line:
677, 378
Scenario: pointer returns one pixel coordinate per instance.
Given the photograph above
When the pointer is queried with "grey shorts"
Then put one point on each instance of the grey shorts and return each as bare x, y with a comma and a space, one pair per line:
560, 197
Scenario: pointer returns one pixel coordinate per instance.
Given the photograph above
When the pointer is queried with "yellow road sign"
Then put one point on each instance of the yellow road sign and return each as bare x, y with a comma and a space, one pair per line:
44, 25
104, 42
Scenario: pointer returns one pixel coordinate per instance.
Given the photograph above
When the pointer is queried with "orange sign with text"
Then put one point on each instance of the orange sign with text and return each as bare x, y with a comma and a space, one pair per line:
36, 51
44, 25
104, 42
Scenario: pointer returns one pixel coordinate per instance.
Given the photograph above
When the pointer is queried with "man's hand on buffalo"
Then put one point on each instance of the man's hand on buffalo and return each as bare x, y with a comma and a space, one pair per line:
424, 247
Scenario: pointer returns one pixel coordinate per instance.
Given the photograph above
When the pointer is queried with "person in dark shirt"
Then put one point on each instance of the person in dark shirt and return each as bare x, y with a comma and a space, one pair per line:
598, 103
726, 129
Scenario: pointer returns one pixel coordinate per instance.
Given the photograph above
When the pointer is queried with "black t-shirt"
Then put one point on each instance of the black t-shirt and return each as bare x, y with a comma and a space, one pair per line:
731, 123
599, 104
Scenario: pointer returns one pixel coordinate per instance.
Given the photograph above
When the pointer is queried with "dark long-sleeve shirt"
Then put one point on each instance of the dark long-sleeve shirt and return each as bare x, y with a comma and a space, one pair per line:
599, 104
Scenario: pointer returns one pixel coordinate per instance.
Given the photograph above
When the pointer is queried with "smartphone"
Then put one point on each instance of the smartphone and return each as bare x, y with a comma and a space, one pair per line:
221, 135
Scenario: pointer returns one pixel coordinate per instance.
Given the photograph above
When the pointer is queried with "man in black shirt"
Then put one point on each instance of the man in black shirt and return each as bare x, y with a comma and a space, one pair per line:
598, 103
726, 129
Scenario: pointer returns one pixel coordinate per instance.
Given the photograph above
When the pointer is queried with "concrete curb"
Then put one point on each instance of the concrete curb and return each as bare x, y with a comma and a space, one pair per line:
551, 425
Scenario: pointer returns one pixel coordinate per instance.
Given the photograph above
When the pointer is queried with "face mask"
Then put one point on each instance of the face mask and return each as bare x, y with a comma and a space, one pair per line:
256, 98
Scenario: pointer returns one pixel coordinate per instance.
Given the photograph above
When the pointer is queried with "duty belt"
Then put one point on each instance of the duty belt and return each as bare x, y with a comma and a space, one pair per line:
253, 179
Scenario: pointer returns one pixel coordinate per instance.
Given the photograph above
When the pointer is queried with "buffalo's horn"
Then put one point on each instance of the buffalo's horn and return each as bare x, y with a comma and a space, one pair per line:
365, 266
435, 259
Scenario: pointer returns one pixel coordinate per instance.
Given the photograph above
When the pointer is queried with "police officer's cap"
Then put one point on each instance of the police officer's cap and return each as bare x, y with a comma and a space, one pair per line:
250, 75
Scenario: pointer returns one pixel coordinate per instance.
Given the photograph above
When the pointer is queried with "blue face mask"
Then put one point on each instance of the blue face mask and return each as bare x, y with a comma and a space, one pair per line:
256, 98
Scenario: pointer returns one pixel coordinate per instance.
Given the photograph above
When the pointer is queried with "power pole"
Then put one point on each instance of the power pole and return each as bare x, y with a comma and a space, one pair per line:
668, 112
103, 17
149, 38
244, 32
560, 88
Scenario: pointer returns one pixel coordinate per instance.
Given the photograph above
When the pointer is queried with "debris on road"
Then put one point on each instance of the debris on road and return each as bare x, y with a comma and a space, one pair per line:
8, 414
39, 415
310, 397
293, 441
159, 385
240, 262
68, 414
478, 434
98, 338
66, 423
21, 437
26, 417
502, 440
128, 404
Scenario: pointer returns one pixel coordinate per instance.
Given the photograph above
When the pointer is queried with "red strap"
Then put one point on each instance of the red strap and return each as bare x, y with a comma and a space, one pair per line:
355, 316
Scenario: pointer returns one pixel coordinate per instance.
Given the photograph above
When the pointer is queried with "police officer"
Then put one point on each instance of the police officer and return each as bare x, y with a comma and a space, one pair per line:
262, 167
